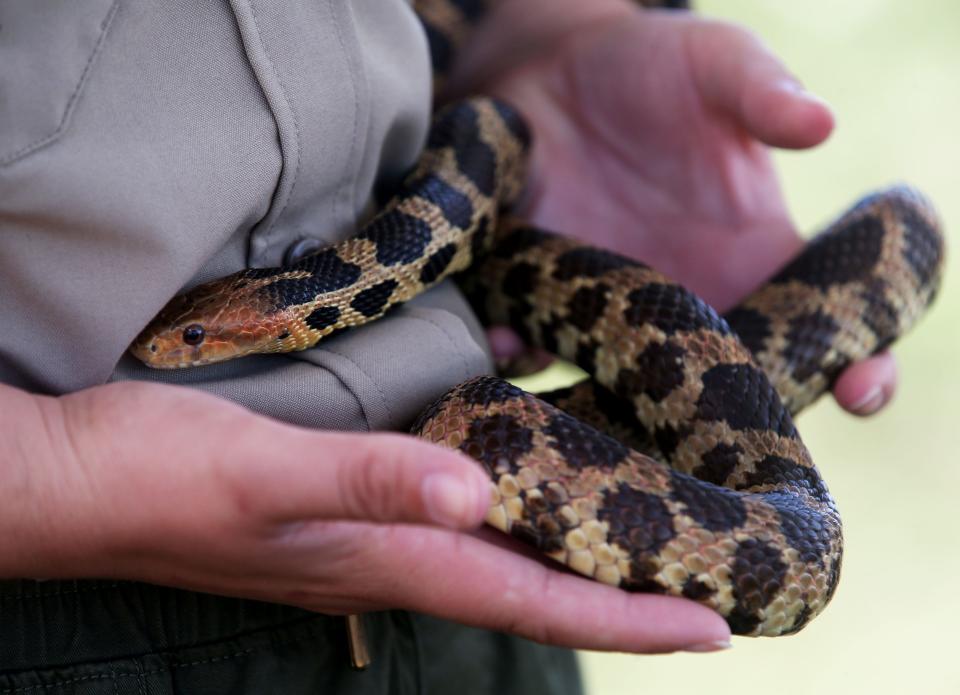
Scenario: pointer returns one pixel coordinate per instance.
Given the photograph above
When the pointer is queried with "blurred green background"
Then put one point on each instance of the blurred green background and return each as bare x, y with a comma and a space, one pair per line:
891, 70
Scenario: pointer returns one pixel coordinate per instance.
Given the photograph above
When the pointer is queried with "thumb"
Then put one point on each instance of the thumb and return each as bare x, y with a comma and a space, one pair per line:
867, 386
363, 477
737, 73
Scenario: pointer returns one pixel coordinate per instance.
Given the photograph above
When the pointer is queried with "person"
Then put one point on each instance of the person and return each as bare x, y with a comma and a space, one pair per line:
198, 531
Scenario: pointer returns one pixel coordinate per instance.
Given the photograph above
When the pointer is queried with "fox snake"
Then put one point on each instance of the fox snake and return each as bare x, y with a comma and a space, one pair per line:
676, 468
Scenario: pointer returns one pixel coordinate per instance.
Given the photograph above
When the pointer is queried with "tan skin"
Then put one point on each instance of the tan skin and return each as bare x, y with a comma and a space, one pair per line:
171, 486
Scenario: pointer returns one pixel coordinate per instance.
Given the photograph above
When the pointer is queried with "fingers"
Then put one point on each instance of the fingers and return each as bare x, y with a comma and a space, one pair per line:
512, 357
370, 477
268, 471
505, 344
738, 74
479, 583
867, 386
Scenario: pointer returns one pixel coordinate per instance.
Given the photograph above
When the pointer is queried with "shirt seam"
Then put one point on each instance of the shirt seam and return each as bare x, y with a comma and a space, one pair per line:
340, 380
446, 334
348, 188
284, 193
383, 397
45, 140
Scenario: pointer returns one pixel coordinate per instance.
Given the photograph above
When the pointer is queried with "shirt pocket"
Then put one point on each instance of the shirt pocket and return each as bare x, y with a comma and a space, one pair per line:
47, 51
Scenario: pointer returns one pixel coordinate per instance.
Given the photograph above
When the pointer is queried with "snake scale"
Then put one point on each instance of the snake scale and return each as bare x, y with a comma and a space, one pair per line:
676, 468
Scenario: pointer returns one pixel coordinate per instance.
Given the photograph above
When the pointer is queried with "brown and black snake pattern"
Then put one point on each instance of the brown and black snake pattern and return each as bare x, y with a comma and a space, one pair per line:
729, 509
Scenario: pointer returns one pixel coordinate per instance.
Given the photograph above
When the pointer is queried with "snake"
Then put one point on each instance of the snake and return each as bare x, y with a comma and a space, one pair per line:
675, 467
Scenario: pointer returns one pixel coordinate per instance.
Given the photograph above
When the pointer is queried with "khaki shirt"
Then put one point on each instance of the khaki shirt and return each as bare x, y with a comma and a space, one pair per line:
146, 146
149, 146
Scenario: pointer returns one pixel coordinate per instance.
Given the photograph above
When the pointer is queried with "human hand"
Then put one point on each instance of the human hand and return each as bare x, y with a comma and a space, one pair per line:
173, 486
652, 134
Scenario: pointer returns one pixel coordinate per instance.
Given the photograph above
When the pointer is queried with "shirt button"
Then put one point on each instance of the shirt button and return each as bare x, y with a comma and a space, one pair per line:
300, 249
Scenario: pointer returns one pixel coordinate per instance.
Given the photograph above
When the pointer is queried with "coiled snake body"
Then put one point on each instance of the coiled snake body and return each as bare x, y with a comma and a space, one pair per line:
722, 503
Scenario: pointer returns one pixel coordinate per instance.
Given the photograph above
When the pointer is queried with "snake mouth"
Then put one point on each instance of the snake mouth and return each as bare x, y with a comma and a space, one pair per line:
169, 351
174, 346
152, 351
176, 365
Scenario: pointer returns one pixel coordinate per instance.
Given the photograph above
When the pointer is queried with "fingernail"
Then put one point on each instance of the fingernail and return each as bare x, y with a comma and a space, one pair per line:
870, 403
704, 647
796, 88
449, 500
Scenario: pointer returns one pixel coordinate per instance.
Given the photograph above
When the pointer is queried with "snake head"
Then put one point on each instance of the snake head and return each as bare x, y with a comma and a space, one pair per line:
219, 321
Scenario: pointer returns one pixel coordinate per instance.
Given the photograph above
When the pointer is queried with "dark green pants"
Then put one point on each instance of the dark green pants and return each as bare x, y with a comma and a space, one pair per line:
118, 638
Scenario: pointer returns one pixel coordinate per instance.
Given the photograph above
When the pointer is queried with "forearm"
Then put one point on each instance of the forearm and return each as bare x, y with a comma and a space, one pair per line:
34, 532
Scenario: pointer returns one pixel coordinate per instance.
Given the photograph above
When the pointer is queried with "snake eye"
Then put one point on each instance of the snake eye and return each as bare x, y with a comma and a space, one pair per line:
193, 334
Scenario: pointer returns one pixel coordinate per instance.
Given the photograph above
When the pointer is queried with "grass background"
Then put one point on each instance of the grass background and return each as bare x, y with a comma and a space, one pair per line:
891, 70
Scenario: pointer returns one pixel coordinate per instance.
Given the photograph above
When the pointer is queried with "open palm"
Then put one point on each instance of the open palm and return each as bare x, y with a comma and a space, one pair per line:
651, 137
